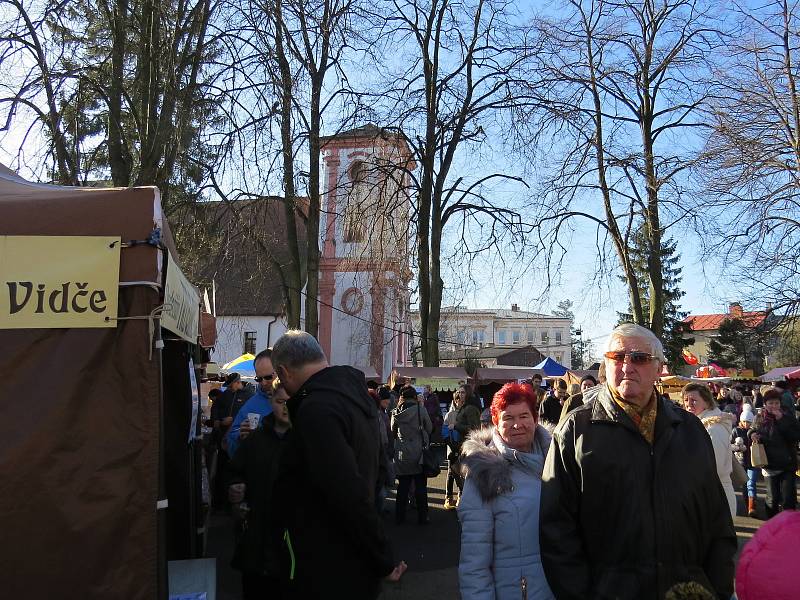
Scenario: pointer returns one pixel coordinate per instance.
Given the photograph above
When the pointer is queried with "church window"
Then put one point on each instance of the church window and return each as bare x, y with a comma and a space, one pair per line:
354, 214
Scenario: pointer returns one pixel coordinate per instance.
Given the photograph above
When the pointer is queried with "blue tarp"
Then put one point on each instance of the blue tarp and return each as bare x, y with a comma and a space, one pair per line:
551, 368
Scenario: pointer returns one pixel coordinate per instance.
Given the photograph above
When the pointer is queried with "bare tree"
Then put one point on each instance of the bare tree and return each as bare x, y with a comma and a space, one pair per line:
752, 180
617, 88
283, 78
452, 89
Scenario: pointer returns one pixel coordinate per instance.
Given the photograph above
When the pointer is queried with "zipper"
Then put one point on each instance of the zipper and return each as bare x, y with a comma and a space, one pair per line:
523, 584
653, 509
288, 539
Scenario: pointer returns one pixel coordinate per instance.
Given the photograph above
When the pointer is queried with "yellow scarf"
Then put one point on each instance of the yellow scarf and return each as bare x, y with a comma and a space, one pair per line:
643, 418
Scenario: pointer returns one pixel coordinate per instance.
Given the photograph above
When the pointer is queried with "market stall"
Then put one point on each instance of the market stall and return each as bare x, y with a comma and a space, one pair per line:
439, 378
781, 373
100, 482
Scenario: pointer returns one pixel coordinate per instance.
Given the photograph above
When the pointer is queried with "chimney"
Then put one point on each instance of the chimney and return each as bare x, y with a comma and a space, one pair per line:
515, 307
769, 306
735, 310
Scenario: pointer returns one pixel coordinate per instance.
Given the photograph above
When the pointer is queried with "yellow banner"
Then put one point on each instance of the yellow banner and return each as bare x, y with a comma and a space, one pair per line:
181, 313
58, 281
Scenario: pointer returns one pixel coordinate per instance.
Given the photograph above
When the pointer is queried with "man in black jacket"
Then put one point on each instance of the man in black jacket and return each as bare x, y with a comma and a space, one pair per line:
326, 486
631, 501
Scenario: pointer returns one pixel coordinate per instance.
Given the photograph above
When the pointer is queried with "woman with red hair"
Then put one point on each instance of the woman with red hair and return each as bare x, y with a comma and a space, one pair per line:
499, 508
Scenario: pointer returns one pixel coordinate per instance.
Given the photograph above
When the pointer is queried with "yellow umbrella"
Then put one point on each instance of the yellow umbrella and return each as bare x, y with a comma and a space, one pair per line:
230, 365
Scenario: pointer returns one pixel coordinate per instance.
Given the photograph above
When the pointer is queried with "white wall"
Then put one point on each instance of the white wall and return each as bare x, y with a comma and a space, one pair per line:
231, 330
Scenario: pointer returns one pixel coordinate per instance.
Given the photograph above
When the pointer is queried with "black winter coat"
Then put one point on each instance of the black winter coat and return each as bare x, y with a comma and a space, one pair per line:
623, 519
550, 410
780, 437
326, 489
255, 464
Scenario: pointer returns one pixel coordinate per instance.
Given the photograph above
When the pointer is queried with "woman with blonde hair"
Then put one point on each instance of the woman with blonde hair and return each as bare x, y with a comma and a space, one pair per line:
699, 401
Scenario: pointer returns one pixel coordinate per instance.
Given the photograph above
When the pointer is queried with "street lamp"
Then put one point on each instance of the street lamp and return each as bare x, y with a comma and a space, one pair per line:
579, 333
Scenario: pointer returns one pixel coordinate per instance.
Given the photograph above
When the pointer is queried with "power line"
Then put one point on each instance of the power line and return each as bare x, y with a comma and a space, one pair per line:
416, 335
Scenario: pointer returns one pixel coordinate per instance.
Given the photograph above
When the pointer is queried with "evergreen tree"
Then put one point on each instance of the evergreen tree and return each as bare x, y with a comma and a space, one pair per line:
739, 345
674, 328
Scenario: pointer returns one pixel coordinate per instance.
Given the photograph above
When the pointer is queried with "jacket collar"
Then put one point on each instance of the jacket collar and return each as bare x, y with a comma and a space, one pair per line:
605, 409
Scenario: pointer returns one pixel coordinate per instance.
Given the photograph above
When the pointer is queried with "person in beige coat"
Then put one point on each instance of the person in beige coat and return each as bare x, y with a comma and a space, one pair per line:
698, 400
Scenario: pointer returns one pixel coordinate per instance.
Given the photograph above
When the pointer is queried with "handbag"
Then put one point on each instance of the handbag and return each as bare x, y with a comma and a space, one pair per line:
430, 464
738, 474
758, 455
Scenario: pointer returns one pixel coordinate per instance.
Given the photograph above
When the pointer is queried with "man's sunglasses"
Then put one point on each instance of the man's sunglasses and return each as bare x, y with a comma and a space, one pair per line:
636, 357
265, 378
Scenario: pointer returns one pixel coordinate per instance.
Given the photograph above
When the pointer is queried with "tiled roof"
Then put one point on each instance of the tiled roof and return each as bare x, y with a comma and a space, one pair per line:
241, 243
712, 322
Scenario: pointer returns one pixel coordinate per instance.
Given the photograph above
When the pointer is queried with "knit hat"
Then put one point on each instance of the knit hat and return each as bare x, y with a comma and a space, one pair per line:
747, 413
766, 565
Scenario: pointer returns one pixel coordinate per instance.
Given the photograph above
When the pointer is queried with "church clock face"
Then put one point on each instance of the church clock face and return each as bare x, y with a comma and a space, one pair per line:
352, 301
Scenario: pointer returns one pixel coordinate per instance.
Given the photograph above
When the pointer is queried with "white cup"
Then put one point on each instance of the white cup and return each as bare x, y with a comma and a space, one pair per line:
254, 419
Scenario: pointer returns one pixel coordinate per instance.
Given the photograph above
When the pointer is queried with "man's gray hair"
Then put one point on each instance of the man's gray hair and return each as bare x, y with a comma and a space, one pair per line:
295, 349
628, 330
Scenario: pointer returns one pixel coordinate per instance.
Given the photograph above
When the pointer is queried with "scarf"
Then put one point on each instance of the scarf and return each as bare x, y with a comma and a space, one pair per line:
643, 418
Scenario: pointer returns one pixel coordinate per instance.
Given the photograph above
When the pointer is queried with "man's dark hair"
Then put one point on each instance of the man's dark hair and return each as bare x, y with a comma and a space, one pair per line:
773, 394
371, 385
561, 384
384, 393
784, 385
409, 392
589, 378
263, 354
215, 393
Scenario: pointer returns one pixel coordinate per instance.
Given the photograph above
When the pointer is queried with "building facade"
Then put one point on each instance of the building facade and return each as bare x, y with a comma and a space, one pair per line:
364, 271
462, 329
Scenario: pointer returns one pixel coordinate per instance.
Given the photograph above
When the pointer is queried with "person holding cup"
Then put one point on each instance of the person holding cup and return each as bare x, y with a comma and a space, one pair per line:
252, 474
779, 433
257, 406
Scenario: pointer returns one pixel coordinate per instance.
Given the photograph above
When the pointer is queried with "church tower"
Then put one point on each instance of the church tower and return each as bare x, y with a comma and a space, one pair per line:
364, 271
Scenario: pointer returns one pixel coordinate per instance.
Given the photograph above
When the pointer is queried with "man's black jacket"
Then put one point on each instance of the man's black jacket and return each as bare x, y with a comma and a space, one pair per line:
626, 520
326, 488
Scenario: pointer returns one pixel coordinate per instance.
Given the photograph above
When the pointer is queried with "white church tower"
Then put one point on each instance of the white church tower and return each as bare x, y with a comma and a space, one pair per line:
364, 229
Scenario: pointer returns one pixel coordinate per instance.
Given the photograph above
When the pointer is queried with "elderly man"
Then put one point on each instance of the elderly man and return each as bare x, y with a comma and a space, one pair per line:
631, 502
326, 485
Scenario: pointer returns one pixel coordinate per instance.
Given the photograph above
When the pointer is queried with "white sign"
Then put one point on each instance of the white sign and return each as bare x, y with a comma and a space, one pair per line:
181, 304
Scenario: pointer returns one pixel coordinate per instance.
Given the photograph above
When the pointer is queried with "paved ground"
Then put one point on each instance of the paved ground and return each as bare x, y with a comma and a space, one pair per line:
430, 551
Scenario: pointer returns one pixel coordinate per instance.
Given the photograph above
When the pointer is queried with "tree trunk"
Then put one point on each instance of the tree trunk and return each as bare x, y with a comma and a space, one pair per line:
292, 279
312, 225
118, 156
620, 246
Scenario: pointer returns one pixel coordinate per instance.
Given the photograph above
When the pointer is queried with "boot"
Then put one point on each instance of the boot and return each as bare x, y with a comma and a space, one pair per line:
751, 507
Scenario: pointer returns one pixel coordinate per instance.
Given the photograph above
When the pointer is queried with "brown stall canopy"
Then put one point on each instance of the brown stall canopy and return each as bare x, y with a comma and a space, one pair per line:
80, 416
500, 375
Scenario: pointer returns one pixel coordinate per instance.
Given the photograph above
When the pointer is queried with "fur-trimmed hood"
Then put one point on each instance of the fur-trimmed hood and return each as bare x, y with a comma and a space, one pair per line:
715, 416
487, 460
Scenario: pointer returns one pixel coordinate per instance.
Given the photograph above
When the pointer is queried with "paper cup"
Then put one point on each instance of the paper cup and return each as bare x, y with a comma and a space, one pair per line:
254, 419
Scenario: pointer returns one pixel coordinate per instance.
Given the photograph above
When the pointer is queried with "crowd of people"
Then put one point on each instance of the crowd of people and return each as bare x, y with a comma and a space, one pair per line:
596, 489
